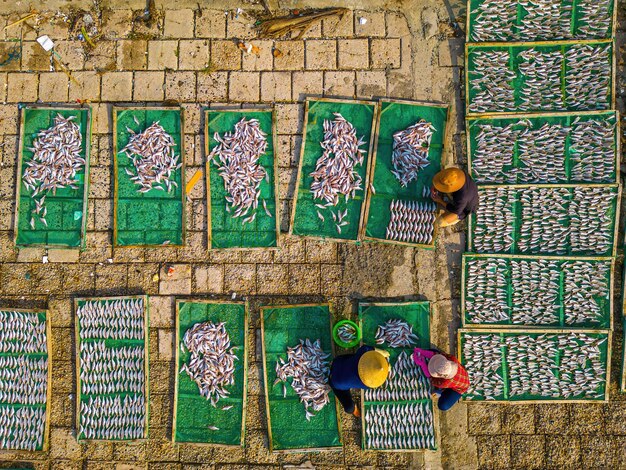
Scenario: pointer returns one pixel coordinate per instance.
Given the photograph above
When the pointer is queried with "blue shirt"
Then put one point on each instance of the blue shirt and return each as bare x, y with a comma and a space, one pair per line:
344, 371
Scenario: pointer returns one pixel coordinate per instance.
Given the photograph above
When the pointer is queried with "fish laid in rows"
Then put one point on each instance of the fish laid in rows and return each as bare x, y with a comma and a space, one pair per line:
113, 417
399, 426
396, 333
492, 80
308, 367
406, 382
22, 428
23, 379
410, 151
211, 362
336, 172
237, 157
55, 164
493, 231
411, 221
152, 153
22, 333
112, 319
106, 370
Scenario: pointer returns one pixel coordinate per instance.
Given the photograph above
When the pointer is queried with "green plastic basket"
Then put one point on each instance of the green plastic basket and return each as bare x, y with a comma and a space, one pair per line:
352, 343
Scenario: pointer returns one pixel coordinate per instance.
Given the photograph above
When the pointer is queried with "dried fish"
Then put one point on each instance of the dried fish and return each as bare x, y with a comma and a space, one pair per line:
308, 367
411, 221
152, 153
410, 151
396, 333
55, 164
346, 333
237, 157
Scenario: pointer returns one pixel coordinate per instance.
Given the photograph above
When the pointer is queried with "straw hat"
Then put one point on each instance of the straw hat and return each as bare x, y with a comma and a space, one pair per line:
373, 369
439, 366
449, 180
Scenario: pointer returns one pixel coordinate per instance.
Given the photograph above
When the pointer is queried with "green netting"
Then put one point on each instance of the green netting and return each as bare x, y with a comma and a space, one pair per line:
155, 217
603, 302
611, 201
394, 117
226, 231
306, 221
416, 314
517, 173
194, 413
504, 369
284, 327
42, 317
515, 59
570, 12
111, 344
67, 208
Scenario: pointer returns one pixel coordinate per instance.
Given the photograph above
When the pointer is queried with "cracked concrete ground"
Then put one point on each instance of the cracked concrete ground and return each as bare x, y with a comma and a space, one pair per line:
406, 49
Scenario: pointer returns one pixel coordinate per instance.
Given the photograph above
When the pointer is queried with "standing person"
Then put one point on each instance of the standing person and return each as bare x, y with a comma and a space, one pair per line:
448, 377
460, 189
367, 368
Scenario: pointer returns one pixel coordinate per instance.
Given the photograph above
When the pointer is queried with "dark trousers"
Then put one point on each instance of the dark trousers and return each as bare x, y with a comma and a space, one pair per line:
345, 399
447, 398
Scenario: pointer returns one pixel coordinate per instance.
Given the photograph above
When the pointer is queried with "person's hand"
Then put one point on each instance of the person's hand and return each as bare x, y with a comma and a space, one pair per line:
420, 361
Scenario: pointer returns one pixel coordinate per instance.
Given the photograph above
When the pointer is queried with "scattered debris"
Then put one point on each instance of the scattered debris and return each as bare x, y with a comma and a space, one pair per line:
277, 27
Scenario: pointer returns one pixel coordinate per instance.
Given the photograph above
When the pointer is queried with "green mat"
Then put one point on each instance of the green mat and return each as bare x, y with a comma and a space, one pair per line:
284, 327
41, 435
576, 19
111, 344
67, 208
517, 173
515, 59
611, 208
155, 217
605, 304
304, 218
416, 314
226, 231
502, 368
193, 413
395, 116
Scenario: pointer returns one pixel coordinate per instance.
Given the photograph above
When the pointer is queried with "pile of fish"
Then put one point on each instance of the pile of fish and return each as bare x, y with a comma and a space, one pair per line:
212, 361
105, 370
237, 157
112, 319
113, 417
540, 290
396, 333
587, 77
393, 426
23, 380
22, 428
411, 221
347, 333
335, 172
554, 366
552, 220
539, 20
493, 230
491, 79
153, 155
410, 151
56, 164
542, 151
112, 375
400, 426
308, 367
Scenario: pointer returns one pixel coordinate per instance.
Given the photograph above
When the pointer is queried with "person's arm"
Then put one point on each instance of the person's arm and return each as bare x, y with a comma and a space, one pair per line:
420, 356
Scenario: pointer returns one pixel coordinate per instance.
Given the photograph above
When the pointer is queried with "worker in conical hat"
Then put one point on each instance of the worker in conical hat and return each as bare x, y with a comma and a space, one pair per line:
367, 368
456, 193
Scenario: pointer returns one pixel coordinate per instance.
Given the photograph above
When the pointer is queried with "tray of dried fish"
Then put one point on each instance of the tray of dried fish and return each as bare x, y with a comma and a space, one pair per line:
408, 146
555, 148
24, 379
334, 168
536, 365
544, 20
565, 220
242, 195
211, 380
53, 165
149, 169
399, 415
301, 409
539, 77
112, 368
537, 292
